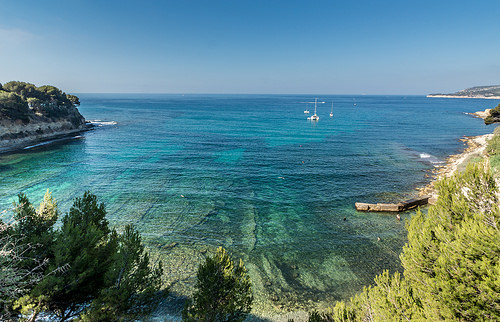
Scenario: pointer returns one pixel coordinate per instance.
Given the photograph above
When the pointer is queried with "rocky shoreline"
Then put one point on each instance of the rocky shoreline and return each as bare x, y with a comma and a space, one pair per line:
17, 136
476, 147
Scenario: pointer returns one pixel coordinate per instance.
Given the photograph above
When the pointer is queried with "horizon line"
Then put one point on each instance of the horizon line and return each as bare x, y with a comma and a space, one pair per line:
201, 93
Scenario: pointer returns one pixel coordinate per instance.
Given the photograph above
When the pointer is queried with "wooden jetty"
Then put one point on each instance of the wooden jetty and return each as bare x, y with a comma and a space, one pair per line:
392, 207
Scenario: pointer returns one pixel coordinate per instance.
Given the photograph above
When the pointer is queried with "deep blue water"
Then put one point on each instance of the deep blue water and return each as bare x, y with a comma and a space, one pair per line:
250, 173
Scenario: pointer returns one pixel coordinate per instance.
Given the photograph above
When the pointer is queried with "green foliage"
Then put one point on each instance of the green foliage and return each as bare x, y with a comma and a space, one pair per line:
13, 107
315, 316
495, 164
83, 254
493, 149
73, 99
17, 98
14, 280
35, 229
452, 257
92, 270
223, 291
135, 283
25, 247
451, 261
494, 115
22, 89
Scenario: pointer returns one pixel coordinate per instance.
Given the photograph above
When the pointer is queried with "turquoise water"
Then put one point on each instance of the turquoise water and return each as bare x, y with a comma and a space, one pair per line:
250, 173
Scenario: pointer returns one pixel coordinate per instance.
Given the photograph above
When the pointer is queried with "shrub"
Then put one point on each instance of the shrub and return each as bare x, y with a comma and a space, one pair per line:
223, 291
451, 261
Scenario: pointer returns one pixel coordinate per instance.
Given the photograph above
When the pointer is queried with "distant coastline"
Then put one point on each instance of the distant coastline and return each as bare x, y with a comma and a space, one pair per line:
483, 92
462, 96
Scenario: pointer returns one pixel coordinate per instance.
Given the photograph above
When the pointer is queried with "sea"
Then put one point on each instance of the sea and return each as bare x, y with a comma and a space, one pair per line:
252, 174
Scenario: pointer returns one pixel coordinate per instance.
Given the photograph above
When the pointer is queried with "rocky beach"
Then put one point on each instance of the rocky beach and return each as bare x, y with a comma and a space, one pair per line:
475, 148
16, 136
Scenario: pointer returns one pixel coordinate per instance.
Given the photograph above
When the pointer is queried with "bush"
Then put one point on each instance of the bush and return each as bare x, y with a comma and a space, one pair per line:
223, 291
93, 273
13, 107
494, 116
16, 98
451, 261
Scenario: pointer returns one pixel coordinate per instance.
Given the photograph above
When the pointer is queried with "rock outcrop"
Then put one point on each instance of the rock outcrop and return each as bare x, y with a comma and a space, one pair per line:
16, 134
30, 114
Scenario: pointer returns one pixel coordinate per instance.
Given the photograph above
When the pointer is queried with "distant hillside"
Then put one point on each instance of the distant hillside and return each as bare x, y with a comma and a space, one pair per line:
491, 91
30, 114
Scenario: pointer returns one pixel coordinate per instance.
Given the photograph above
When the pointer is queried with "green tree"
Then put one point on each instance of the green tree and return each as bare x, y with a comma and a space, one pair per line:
84, 251
34, 229
22, 89
223, 291
13, 107
73, 99
135, 283
14, 280
451, 261
25, 248
494, 116
452, 258
93, 273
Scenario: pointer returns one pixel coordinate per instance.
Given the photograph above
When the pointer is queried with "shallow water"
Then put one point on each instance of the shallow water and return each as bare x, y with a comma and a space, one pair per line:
250, 173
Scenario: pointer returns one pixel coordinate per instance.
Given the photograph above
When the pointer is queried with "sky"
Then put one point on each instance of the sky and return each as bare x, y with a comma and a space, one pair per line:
239, 46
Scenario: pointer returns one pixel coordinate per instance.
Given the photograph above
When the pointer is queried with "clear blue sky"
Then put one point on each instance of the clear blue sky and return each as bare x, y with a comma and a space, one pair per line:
239, 46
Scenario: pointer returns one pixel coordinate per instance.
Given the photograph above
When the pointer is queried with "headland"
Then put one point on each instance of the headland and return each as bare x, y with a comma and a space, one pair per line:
482, 92
30, 115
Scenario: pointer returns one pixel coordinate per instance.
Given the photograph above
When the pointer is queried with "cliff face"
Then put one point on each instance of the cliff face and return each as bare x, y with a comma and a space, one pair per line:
16, 134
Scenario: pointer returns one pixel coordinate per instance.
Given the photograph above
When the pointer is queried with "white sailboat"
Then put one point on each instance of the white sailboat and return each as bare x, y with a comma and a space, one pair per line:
306, 110
315, 117
331, 113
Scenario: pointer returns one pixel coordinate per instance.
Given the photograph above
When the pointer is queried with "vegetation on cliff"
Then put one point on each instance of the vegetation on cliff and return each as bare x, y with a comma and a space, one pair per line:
24, 101
494, 116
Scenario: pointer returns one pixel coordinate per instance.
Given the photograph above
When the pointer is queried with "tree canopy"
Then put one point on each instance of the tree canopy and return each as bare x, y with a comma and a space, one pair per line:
82, 270
494, 116
223, 291
451, 261
20, 100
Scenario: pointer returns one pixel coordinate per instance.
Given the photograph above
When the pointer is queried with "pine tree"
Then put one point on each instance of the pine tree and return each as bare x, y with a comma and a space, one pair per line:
451, 261
34, 230
452, 258
83, 255
223, 291
135, 283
